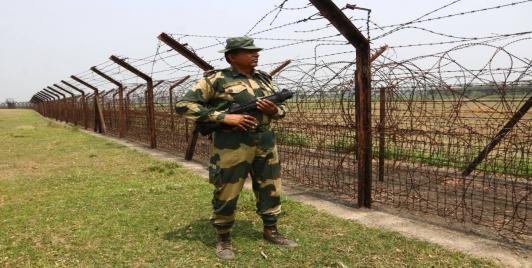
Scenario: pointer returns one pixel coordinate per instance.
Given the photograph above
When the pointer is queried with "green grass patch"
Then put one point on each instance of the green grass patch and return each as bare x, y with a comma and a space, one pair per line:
72, 199
292, 138
439, 158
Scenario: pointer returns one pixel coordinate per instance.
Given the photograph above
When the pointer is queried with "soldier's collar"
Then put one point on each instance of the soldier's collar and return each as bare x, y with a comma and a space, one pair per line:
234, 72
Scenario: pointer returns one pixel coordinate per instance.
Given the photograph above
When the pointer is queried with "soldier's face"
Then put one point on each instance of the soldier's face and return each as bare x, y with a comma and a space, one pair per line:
245, 58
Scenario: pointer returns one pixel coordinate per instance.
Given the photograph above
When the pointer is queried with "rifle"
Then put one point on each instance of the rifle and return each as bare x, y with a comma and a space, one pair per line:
206, 128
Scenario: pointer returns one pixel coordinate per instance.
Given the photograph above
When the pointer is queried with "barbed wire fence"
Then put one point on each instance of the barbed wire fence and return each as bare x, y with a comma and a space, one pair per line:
451, 136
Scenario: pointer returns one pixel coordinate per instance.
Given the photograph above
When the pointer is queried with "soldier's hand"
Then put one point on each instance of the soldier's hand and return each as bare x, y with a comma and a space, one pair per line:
267, 107
243, 121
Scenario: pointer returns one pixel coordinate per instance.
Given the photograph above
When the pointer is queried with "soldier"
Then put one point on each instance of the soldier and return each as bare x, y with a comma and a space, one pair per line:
248, 147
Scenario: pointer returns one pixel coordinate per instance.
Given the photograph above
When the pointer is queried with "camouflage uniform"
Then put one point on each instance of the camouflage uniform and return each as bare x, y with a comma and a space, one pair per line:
235, 153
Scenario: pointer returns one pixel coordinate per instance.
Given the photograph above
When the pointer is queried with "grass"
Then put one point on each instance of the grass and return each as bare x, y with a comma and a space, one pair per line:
459, 160
292, 138
70, 199
440, 156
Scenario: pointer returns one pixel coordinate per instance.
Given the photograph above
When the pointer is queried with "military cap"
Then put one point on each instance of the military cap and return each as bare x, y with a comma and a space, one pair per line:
242, 42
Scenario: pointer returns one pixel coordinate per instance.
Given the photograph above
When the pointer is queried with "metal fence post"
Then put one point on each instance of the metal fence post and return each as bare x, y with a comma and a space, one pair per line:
122, 115
57, 104
99, 122
171, 101
63, 113
46, 100
83, 103
498, 137
280, 67
50, 105
340, 21
71, 102
191, 56
150, 109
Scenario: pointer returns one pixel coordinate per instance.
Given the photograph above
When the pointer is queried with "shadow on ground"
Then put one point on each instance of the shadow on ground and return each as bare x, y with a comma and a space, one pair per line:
202, 230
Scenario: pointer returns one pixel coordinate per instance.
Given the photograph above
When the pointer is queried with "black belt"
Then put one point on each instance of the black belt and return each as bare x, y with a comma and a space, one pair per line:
258, 128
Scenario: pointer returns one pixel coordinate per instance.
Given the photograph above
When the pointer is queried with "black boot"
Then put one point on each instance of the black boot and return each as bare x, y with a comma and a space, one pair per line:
273, 236
224, 249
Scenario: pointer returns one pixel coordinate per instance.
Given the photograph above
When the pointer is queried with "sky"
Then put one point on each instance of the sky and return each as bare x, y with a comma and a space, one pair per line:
42, 42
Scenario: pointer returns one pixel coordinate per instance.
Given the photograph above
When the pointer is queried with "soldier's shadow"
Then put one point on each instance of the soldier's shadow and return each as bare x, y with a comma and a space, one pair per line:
202, 230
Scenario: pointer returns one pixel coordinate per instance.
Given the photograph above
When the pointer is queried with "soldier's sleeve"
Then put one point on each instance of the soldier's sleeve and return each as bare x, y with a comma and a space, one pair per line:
194, 104
281, 112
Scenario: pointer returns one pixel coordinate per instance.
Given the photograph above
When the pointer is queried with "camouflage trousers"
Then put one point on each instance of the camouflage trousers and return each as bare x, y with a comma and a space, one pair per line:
235, 155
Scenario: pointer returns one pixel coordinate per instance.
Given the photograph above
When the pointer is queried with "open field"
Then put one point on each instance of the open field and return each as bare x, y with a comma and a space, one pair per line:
441, 133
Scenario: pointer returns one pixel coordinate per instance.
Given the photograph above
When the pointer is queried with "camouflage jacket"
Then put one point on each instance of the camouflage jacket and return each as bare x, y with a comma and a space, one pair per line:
213, 94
